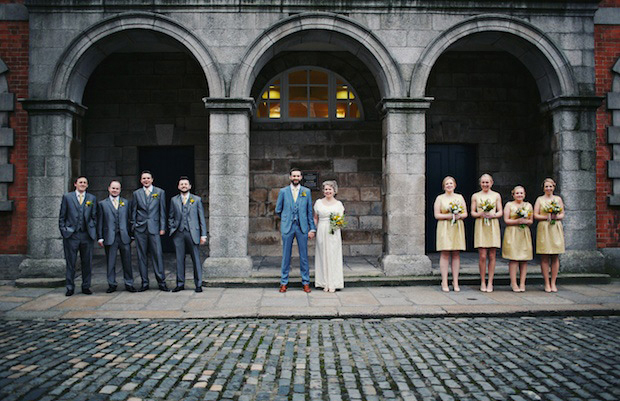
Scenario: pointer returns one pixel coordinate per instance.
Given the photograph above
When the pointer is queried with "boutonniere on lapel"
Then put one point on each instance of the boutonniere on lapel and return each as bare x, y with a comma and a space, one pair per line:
303, 194
155, 196
191, 200
121, 203
89, 203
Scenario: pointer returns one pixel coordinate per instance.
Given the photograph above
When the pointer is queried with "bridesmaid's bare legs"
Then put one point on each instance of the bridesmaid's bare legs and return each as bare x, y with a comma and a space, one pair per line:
444, 261
522, 274
456, 266
512, 269
555, 268
482, 267
544, 268
492, 252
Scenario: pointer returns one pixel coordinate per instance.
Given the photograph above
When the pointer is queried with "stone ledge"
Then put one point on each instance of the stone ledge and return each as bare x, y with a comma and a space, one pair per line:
227, 267
406, 265
40, 282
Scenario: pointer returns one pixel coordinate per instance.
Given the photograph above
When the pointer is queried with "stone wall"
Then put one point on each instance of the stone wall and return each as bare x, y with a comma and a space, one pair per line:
143, 99
490, 99
350, 153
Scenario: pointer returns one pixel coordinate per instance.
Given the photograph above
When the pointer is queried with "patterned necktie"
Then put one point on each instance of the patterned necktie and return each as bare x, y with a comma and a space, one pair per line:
81, 198
148, 193
115, 203
295, 192
184, 200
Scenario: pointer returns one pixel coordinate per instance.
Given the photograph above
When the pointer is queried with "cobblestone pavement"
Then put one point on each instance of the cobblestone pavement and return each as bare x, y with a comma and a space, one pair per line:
236, 359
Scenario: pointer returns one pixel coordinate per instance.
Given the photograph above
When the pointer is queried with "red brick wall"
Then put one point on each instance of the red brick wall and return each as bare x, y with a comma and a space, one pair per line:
606, 53
14, 53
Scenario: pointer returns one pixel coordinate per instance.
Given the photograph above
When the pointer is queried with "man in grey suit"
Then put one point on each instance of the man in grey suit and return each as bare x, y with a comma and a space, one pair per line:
188, 229
148, 218
77, 221
113, 232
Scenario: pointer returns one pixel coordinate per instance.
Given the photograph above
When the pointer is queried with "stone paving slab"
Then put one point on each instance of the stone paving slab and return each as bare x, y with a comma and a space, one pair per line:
268, 302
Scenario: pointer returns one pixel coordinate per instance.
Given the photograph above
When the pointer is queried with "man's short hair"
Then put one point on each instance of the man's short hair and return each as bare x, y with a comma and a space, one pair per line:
184, 177
119, 183
81, 176
146, 172
294, 169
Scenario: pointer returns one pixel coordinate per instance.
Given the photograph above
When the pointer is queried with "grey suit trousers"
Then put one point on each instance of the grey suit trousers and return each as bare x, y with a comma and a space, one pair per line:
79, 241
183, 240
110, 254
146, 242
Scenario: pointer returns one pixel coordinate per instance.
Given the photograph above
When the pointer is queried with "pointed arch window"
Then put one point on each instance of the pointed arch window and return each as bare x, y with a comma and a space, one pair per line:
308, 94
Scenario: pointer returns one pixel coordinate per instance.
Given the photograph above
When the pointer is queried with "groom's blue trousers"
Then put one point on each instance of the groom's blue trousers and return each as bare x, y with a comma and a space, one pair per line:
287, 248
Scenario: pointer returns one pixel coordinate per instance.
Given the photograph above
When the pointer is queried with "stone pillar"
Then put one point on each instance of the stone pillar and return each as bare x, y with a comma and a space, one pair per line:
404, 147
229, 187
574, 169
51, 134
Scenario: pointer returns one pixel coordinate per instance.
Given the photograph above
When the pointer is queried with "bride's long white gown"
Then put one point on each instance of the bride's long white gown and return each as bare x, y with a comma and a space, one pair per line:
328, 255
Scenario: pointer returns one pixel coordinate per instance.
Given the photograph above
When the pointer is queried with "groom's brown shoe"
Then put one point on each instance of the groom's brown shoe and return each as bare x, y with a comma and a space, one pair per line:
282, 288
307, 288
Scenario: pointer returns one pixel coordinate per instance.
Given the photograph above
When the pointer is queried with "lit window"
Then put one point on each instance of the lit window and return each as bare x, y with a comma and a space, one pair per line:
308, 94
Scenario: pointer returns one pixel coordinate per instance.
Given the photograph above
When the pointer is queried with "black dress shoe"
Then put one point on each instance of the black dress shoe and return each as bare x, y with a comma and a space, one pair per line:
87, 291
111, 289
143, 288
164, 288
69, 293
178, 288
130, 289
198, 289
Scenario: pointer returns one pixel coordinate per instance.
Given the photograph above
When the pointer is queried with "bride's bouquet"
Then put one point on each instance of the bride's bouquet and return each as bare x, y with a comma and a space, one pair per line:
486, 205
336, 222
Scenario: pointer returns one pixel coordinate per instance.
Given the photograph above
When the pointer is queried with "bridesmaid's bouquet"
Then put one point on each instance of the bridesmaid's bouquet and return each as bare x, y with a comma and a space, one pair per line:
486, 205
523, 213
336, 222
552, 207
455, 208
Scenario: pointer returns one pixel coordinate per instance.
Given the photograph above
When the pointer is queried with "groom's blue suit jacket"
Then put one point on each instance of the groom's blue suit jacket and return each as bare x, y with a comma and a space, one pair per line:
288, 209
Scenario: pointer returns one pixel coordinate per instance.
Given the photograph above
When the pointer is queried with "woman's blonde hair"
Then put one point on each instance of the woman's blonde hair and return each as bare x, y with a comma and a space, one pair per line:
546, 180
448, 177
331, 183
512, 192
485, 175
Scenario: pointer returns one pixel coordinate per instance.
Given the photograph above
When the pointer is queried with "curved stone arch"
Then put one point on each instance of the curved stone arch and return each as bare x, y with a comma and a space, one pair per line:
87, 50
547, 64
324, 27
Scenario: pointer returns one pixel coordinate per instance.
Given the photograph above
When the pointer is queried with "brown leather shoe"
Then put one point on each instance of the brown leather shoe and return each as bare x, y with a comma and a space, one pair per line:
282, 288
307, 288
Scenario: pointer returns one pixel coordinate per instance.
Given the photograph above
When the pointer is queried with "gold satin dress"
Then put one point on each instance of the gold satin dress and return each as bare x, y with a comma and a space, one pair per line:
549, 237
486, 236
517, 243
450, 237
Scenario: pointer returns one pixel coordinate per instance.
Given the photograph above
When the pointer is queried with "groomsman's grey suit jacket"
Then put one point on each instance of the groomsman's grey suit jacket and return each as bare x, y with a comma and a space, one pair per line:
197, 225
68, 219
149, 214
106, 221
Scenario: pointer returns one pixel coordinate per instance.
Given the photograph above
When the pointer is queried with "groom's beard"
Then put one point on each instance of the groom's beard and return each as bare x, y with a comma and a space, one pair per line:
184, 192
295, 182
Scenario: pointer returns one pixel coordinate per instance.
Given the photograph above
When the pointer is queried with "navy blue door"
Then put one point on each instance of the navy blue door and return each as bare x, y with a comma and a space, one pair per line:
167, 163
458, 161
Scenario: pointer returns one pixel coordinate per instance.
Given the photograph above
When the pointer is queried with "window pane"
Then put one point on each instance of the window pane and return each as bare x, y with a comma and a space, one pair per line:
274, 110
319, 110
262, 109
298, 77
274, 92
341, 110
341, 92
318, 93
318, 77
298, 93
297, 110
354, 111
351, 95
265, 95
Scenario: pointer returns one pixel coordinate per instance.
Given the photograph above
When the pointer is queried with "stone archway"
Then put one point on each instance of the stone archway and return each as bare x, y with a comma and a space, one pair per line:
569, 117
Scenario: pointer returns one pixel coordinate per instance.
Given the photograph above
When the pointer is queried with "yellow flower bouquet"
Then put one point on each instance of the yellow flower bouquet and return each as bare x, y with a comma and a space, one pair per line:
551, 208
455, 208
336, 222
486, 205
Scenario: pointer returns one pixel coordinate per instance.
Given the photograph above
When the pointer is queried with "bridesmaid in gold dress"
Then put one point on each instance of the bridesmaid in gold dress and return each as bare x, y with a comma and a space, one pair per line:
517, 245
549, 233
450, 209
486, 229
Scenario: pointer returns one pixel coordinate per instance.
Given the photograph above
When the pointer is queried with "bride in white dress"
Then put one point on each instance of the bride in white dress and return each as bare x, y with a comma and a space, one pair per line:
328, 256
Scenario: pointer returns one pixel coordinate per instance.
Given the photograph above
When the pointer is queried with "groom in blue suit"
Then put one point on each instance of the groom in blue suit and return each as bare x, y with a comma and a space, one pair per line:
294, 207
